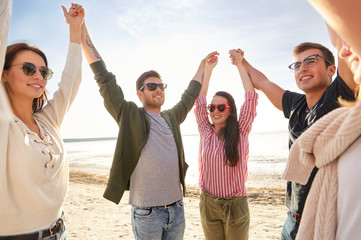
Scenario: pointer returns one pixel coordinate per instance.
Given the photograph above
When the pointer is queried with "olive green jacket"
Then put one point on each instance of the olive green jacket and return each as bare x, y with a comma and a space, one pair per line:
134, 129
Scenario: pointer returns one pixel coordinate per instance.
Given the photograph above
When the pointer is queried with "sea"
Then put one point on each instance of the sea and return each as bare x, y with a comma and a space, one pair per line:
268, 152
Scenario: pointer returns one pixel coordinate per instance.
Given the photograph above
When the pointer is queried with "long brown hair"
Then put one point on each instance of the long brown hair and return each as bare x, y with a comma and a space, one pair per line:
230, 133
11, 52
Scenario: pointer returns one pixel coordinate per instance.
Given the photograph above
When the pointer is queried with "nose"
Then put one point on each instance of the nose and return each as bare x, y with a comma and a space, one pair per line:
38, 75
302, 67
344, 52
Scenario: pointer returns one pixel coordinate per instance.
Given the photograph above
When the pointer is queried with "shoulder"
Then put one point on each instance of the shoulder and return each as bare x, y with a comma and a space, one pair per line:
293, 97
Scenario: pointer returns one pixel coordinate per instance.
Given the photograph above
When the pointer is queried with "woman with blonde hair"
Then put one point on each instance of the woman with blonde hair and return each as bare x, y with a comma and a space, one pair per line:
333, 144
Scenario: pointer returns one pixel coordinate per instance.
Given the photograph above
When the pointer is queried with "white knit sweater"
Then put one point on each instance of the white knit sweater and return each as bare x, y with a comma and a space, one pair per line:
321, 146
33, 170
5, 12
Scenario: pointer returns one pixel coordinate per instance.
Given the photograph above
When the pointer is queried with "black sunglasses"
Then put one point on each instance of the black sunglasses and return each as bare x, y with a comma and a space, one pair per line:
221, 107
30, 69
153, 86
308, 61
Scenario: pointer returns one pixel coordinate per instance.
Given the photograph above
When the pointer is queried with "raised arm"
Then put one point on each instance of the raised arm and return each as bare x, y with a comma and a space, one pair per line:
200, 71
209, 62
344, 17
5, 13
71, 77
90, 52
343, 68
273, 92
75, 18
237, 57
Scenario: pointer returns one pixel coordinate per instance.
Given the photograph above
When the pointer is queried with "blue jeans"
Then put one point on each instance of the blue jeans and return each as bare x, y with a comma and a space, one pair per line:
158, 222
290, 228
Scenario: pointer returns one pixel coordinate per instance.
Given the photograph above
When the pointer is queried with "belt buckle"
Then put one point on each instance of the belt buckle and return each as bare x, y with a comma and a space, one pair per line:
170, 205
60, 222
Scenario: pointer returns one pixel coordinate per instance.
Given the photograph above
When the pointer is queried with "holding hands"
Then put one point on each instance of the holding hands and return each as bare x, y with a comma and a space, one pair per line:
75, 18
75, 14
211, 60
236, 56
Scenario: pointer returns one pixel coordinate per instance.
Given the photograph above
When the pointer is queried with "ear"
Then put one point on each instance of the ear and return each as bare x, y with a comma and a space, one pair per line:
140, 95
331, 70
3, 76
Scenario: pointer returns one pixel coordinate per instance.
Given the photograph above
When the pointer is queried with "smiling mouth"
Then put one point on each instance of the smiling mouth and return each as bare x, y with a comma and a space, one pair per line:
305, 78
35, 86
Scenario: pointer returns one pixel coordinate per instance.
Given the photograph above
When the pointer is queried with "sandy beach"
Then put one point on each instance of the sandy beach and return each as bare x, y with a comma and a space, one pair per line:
90, 216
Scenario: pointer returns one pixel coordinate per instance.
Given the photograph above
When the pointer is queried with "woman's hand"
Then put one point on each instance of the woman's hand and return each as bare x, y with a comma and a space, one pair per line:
211, 60
75, 18
236, 56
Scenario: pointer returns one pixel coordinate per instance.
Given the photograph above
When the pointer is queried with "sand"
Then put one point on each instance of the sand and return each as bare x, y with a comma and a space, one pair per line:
90, 216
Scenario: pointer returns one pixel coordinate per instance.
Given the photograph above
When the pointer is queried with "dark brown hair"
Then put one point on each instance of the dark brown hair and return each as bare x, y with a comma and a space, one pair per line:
145, 75
310, 45
11, 52
230, 133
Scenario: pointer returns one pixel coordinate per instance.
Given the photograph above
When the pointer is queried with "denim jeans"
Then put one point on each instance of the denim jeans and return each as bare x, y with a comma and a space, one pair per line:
290, 228
158, 222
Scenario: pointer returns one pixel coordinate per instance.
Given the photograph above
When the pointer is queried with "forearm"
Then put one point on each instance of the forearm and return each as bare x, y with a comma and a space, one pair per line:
273, 92
205, 83
5, 6
246, 81
109, 89
258, 78
75, 33
199, 74
343, 17
64, 96
181, 109
90, 52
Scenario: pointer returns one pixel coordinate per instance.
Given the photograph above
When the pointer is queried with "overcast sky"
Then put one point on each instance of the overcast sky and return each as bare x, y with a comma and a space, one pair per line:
171, 37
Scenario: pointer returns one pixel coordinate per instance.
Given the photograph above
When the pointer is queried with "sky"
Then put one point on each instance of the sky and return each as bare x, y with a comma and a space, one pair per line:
171, 37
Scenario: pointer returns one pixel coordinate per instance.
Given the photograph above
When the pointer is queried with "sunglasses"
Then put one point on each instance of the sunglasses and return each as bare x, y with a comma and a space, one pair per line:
308, 62
221, 107
154, 86
30, 69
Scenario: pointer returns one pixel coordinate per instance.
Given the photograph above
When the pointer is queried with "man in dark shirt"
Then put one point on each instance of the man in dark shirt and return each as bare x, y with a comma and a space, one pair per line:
314, 67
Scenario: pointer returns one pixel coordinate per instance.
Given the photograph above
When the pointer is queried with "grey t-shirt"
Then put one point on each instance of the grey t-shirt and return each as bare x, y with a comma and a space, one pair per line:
155, 180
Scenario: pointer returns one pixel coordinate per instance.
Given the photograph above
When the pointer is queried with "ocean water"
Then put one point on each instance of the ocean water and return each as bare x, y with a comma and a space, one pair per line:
268, 153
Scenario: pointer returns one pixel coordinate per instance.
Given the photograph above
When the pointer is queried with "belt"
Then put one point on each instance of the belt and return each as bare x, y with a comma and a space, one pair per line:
169, 205
295, 217
50, 232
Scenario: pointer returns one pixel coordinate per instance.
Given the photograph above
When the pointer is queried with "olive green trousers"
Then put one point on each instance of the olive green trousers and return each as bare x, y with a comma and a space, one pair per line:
224, 218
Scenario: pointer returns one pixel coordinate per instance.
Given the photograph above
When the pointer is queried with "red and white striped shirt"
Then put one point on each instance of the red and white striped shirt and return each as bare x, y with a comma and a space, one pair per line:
216, 177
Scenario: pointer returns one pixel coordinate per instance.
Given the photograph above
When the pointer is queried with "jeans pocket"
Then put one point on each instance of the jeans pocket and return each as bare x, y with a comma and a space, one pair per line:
180, 203
143, 212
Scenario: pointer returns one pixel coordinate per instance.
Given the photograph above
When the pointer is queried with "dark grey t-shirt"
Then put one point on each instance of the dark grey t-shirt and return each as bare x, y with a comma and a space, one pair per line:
300, 119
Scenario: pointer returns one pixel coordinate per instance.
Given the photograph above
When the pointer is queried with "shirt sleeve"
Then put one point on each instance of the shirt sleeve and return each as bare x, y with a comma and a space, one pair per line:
201, 114
5, 13
248, 113
57, 107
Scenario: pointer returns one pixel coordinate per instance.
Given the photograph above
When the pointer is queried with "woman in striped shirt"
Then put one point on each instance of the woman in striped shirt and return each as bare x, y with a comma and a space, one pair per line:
223, 155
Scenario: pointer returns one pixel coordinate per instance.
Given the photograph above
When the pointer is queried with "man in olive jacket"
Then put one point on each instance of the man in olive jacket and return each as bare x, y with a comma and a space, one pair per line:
149, 156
